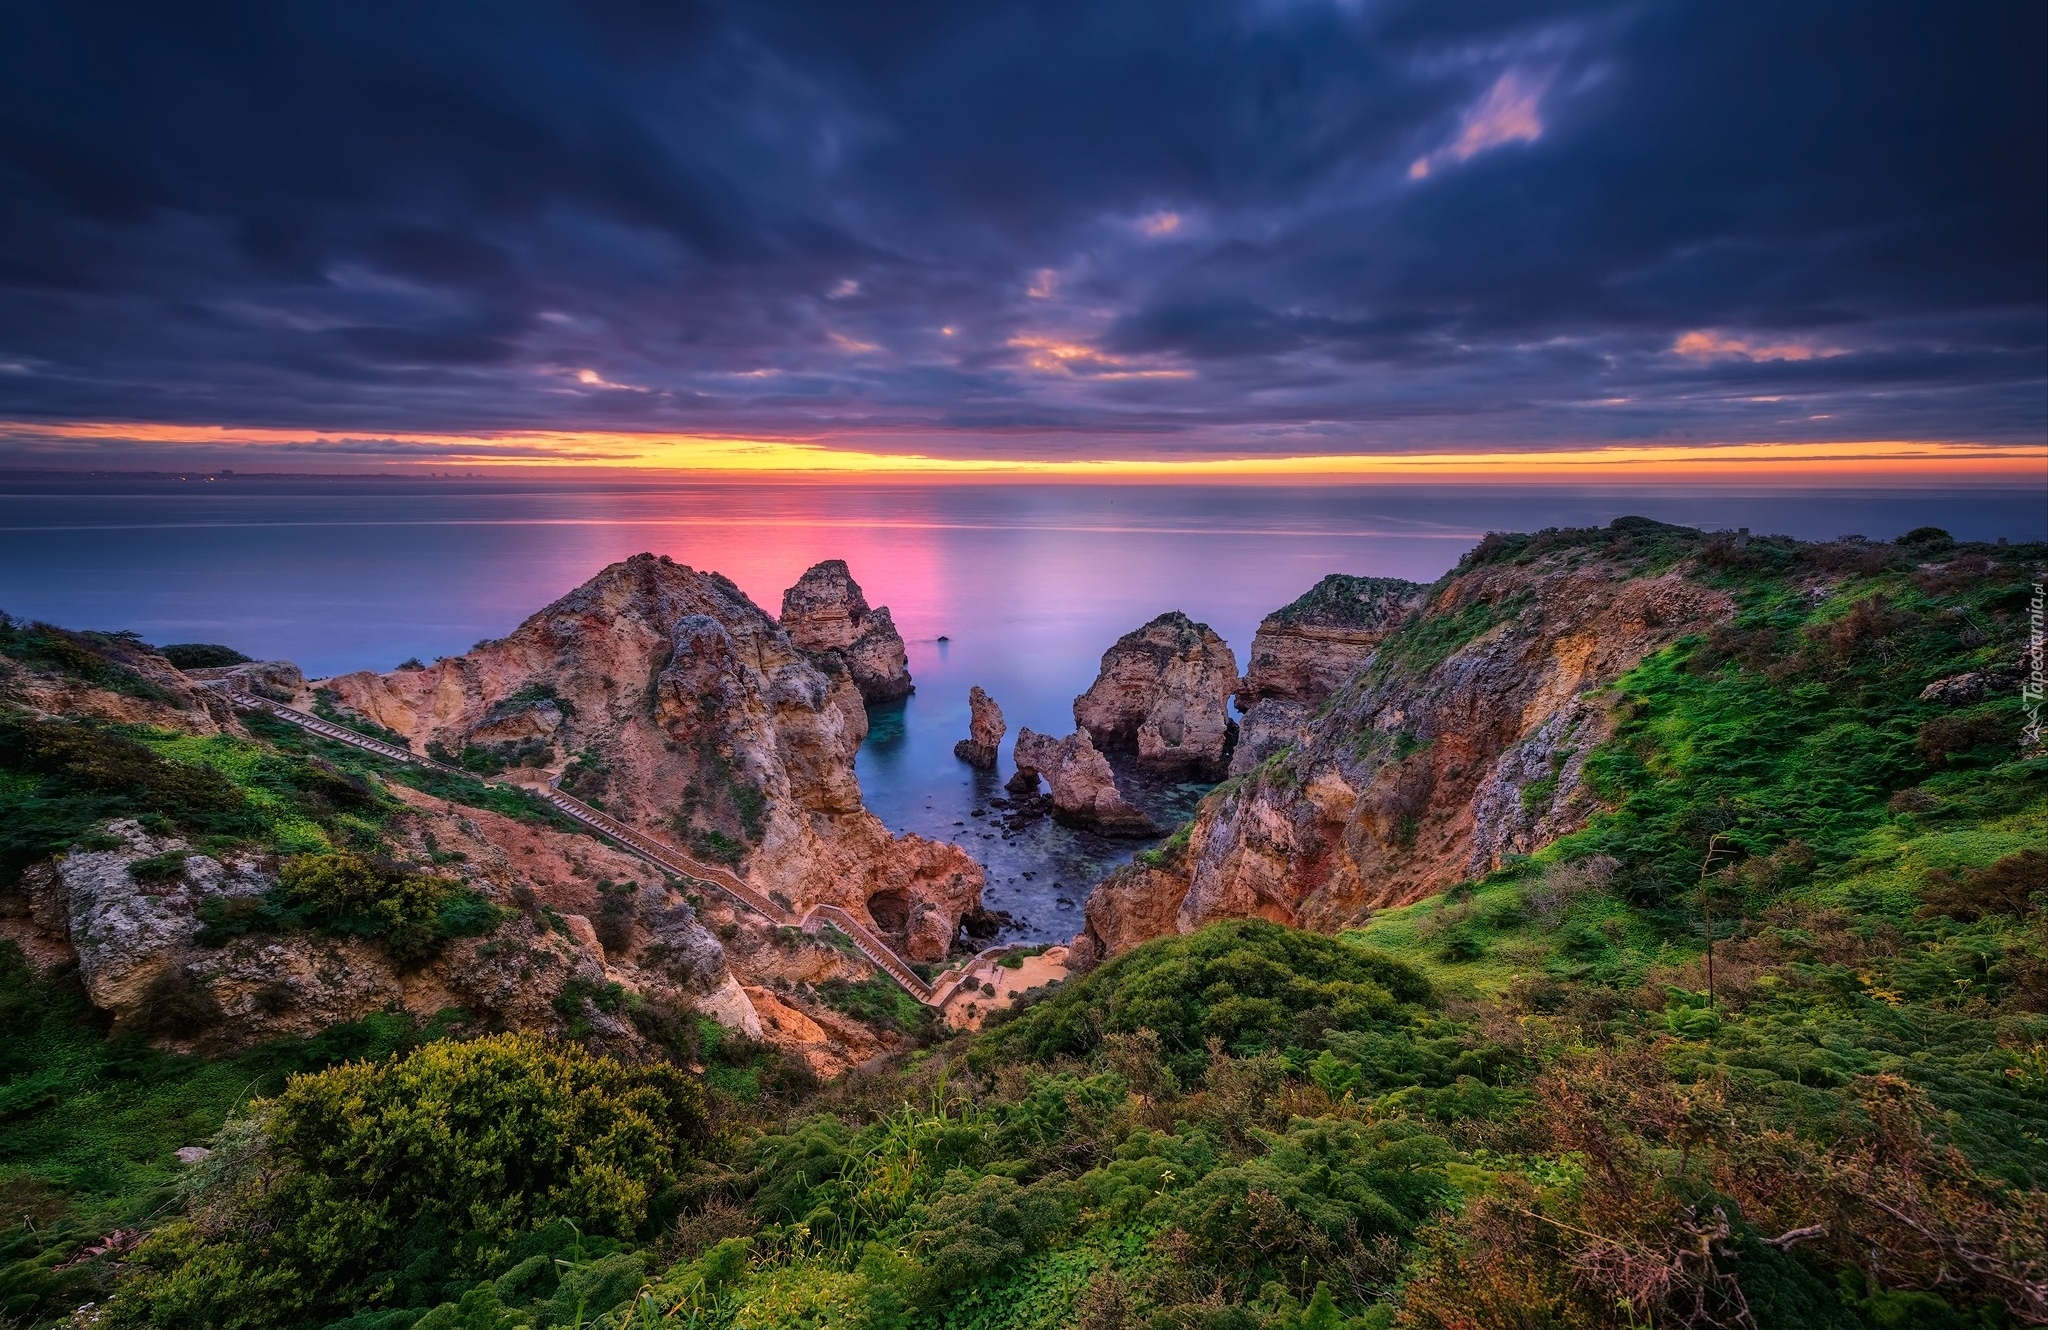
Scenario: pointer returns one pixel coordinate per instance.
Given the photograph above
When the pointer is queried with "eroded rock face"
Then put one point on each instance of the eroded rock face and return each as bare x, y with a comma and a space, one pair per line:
135, 938
1304, 652
1163, 692
1460, 740
1133, 905
130, 932
826, 612
1084, 791
278, 680
985, 730
693, 714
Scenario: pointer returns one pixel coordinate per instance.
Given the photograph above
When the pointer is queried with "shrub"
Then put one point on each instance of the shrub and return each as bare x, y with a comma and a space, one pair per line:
409, 914
201, 655
1965, 734
2006, 887
72, 776
159, 867
397, 1183
1251, 984
104, 660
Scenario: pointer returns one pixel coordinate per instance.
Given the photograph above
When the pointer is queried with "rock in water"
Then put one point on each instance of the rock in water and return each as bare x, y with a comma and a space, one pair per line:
693, 715
1460, 741
1084, 792
985, 730
1164, 693
825, 612
1304, 652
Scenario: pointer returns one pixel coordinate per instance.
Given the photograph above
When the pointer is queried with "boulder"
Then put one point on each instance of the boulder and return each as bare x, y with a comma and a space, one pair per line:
1163, 693
985, 730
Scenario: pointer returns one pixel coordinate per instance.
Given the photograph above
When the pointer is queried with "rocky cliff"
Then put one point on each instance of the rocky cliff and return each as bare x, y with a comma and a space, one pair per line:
826, 614
1459, 737
138, 930
1305, 651
187, 938
667, 696
1163, 693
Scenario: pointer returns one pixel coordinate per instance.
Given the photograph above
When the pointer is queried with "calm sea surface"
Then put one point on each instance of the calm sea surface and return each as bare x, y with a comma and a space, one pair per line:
1028, 582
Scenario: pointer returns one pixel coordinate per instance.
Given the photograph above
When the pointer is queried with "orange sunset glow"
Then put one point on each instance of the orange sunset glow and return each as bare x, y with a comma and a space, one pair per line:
609, 450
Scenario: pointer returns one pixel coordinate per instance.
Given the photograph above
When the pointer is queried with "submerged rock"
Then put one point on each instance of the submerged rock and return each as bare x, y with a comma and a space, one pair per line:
1163, 692
826, 612
1084, 792
985, 730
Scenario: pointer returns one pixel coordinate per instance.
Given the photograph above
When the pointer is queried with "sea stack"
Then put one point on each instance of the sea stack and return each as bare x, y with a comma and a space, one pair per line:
985, 730
1084, 792
825, 614
1163, 692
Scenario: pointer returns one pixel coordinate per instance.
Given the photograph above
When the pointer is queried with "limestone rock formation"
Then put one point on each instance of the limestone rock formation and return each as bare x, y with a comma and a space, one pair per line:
1459, 740
1305, 652
985, 730
1084, 792
825, 612
278, 680
690, 712
1163, 692
1133, 905
136, 941
168, 698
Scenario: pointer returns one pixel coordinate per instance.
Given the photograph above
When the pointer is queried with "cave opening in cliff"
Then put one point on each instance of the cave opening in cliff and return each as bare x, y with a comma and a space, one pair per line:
891, 911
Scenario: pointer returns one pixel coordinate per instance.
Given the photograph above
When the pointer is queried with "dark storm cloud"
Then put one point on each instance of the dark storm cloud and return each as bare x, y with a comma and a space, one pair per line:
1268, 225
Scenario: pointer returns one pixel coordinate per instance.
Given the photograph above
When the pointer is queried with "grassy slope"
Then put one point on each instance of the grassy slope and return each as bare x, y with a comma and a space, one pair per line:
1512, 1106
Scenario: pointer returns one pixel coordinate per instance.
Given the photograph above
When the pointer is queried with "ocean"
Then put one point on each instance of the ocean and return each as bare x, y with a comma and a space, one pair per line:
1028, 583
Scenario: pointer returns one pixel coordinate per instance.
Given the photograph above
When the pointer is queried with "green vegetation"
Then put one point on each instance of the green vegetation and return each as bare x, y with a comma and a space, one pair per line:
879, 1003
508, 801
88, 1125
722, 813
202, 655
1169, 851
103, 660
399, 1183
1424, 643
494, 759
60, 779
411, 915
1522, 1103
327, 706
1345, 598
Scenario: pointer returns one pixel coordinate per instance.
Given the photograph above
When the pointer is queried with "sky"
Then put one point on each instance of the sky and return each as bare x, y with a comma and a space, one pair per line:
1273, 236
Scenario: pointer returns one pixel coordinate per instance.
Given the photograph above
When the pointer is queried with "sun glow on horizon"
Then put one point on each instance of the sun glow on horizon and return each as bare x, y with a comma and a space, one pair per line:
711, 454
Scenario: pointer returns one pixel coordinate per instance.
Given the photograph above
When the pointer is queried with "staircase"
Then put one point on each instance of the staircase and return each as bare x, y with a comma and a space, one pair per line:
669, 858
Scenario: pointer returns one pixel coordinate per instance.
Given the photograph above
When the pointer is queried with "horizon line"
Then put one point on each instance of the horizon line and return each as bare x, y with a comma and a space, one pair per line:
714, 456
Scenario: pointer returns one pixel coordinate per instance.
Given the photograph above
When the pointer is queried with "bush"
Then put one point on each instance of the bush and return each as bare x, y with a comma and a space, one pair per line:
398, 1183
1967, 734
159, 867
2006, 887
409, 914
104, 660
201, 655
71, 776
1250, 984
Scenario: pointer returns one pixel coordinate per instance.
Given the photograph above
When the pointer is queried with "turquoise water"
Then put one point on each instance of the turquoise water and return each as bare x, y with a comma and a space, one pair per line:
1029, 583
